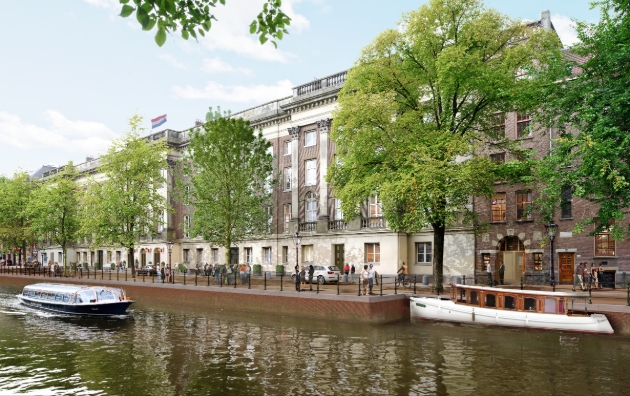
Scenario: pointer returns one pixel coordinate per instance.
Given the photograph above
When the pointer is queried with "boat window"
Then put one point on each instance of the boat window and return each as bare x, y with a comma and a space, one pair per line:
473, 298
509, 303
32, 293
50, 296
550, 305
58, 297
66, 298
106, 295
462, 296
87, 296
529, 304
561, 306
490, 300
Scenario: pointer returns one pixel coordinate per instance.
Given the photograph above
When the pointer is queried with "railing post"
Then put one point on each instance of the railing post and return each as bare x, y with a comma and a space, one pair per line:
234, 277
521, 283
195, 278
117, 277
143, 276
281, 282
208, 279
381, 285
395, 285
317, 283
102, 273
220, 279
414, 284
629, 295
264, 281
249, 281
337, 284
590, 296
125, 274
464, 280
110, 274
358, 283
184, 278
88, 273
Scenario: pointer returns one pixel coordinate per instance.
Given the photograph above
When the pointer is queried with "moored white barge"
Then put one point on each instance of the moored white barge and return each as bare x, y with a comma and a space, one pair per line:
510, 308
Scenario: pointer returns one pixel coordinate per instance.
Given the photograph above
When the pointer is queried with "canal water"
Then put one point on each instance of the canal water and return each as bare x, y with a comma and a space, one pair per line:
157, 351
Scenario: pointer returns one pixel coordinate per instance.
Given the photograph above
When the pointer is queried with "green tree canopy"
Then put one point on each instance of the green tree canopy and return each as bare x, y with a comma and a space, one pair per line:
228, 183
54, 209
194, 17
15, 221
419, 105
590, 109
127, 201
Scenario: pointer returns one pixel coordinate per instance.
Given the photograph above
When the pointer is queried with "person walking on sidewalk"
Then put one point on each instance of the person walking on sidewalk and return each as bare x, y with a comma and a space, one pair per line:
311, 272
302, 279
489, 272
578, 277
371, 278
297, 278
365, 279
346, 271
352, 271
501, 273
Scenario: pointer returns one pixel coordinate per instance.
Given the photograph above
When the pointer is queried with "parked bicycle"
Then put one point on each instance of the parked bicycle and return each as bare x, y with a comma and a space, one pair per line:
402, 280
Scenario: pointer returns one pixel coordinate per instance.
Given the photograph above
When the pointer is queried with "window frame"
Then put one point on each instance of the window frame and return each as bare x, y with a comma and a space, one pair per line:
338, 212
498, 158
609, 240
427, 256
215, 255
566, 203
310, 207
248, 255
374, 203
267, 256
310, 173
498, 128
305, 253
375, 254
308, 134
287, 147
524, 208
187, 223
523, 124
537, 257
285, 254
502, 207
287, 185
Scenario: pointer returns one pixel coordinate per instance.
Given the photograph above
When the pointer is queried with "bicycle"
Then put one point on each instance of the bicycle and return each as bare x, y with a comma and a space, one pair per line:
401, 279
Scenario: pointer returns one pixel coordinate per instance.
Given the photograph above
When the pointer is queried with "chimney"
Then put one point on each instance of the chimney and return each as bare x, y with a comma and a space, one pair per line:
545, 20
88, 159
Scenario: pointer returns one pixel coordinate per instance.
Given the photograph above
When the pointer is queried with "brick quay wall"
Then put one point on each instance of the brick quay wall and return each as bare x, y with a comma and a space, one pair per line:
345, 308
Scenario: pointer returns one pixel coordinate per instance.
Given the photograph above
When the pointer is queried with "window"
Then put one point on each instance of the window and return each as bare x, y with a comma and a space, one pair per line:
248, 255
311, 172
287, 217
498, 128
372, 252
524, 205
287, 179
186, 226
566, 203
538, 261
523, 125
498, 208
550, 305
473, 298
490, 300
338, 211
287, 147
498, 158
529, 304
267, 254
285, 254
307, 253
200, 258
375, 207
510, 302
424, 250
311, 207
604, 244
186, 255
310, 138
215, 255
269, 210
109, 257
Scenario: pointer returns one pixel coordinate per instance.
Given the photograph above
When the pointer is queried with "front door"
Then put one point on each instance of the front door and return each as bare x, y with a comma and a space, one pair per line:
100, 259
143, 258
513, 267
566, 261
339, 257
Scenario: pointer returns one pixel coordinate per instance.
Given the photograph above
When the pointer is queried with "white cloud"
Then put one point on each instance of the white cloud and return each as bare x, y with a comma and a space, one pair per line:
565, 29
236, 93
78, 137
172, 61
216, 65
108, 4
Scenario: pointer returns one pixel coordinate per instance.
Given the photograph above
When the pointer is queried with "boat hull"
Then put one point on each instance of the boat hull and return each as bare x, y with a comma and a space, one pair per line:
442, 310
108, 308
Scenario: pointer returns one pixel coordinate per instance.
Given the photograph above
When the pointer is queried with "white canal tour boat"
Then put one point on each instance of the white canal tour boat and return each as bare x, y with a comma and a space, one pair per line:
76, 299
510, 308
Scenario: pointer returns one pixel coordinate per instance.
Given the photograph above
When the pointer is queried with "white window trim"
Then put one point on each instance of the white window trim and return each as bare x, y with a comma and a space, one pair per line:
425, 253
288, 174
313, 181
287, 144
306, 135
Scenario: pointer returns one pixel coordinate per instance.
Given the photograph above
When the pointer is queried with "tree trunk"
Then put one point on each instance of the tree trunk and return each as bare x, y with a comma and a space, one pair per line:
63, 251
438, 256
23, 255
130, 262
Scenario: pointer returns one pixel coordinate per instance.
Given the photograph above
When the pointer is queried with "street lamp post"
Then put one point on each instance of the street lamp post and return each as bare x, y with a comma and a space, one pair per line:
297, 239
43, 251
551, 232
169, 247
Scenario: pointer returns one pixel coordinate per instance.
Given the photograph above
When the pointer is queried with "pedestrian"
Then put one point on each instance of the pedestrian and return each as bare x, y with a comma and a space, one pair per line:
404, 271
489, 273
594, 275
371, 278
600, 275
311, 272
352, 271
168, 275
217, 274
586, 276
302, 279
297, 278
502, 273
243, 271
577, 280
364, 279
159, 276
346, 270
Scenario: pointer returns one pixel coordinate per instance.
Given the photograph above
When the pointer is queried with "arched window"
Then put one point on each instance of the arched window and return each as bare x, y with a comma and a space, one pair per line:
311, 207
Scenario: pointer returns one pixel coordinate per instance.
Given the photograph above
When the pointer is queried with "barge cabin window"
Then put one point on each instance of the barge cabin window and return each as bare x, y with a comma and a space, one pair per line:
473, 298
490, 300
529, 304
509, 302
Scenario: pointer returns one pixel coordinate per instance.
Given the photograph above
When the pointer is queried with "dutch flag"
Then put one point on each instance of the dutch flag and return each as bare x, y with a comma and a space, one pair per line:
156, 122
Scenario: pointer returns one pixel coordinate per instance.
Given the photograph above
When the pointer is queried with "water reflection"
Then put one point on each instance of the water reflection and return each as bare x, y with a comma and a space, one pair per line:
161, 352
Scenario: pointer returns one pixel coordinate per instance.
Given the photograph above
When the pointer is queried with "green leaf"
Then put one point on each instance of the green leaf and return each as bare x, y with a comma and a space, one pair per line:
142, 16
252, 27
124, 1
279, 34
222, 2
263, 39
274, 44
201, 32
207, 25
160, 37
185, 34
126, 11
150, 25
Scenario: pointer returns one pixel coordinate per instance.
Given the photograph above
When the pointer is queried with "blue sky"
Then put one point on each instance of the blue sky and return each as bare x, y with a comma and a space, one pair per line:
72, 71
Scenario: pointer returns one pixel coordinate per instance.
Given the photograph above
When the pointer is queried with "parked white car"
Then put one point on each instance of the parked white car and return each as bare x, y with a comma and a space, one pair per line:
322, 274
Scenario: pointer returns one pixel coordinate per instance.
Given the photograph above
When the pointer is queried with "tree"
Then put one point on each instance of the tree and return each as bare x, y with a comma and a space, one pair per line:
15, 222
54, 210
590, 110
229, 181
194, 16
128, 202
417, 109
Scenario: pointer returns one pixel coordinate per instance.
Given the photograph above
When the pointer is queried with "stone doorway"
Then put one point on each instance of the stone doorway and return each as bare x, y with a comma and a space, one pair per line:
512, 254
339, 261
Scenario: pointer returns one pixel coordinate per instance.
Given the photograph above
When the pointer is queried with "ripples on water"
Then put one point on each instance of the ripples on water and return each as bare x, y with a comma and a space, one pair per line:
161, 352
